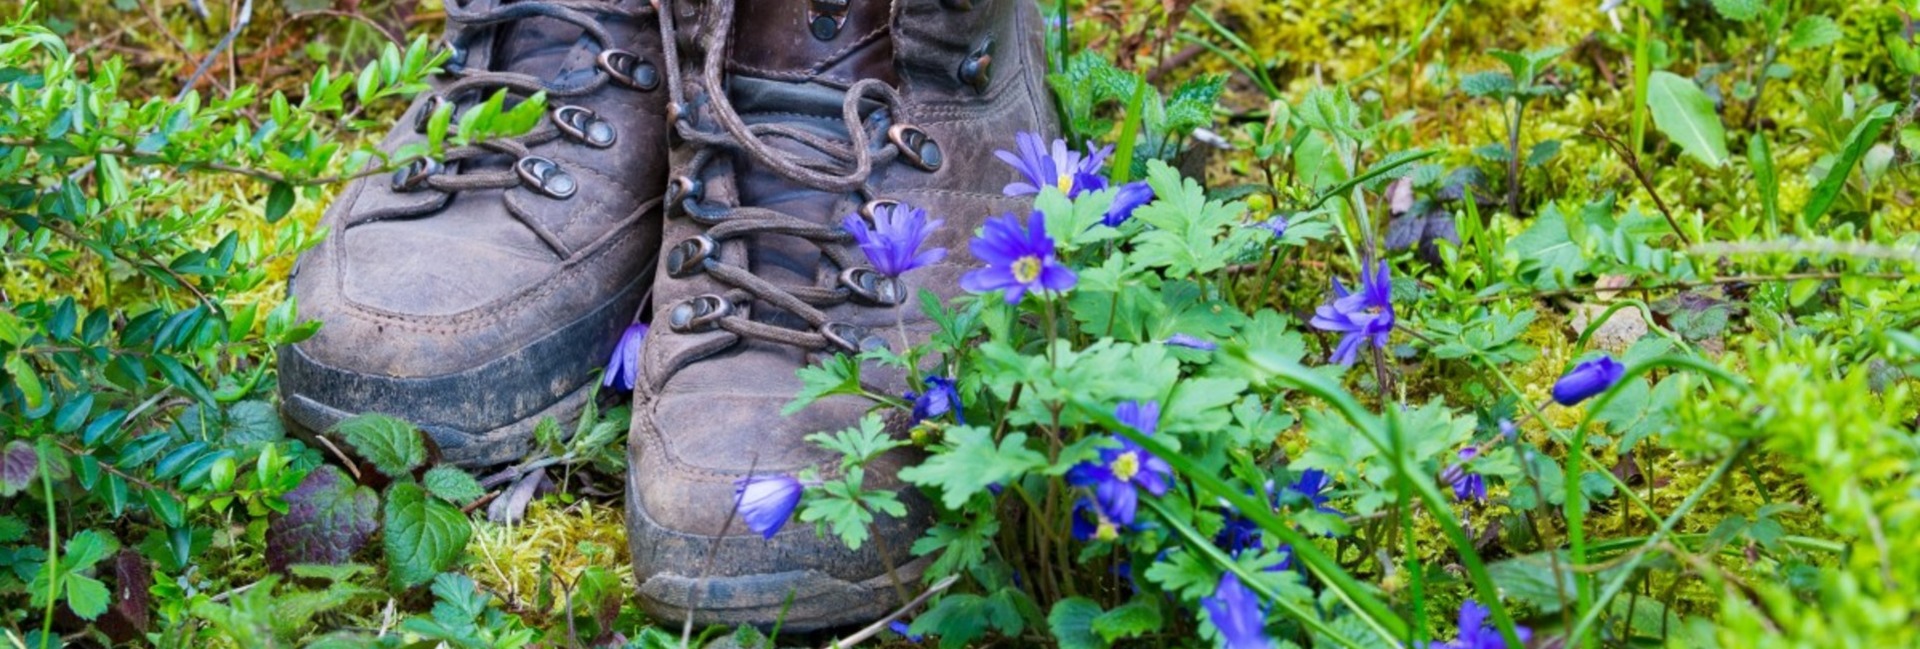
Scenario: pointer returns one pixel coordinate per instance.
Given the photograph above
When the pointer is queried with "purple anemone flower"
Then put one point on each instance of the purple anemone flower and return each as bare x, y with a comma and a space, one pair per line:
1277, 224
1072, 172
893, 244
1131, 196
1017, 260
1237, 612
1476, 634
1240, 534
766, 502
625, 363
1362, 316
1090, 523
901, 627
1312, 485
1467, 484
1588, 379
1190, 342
939, 399
1122, 470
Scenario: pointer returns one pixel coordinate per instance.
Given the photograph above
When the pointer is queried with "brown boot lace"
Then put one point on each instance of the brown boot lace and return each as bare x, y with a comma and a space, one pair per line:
711, 124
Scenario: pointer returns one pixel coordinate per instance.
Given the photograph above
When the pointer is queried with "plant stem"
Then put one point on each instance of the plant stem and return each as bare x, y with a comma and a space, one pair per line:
1513, 154
1681, 286
55, 578
1417, 631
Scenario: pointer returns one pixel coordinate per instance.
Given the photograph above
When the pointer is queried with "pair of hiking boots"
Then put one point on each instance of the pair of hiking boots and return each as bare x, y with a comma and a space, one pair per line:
698, 156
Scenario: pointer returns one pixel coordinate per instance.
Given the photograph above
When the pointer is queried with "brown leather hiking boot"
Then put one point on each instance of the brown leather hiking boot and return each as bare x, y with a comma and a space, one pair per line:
789, 117
477, 294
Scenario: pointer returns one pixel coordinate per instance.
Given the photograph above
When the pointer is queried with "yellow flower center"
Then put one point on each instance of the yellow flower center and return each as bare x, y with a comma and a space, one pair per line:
1126, 466
1066, 182
1106, 531
1026, 269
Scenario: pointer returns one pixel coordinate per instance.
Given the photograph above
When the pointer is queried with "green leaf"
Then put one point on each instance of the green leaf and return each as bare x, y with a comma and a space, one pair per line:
1486, 84
837, 375
29, 383
1531, 580
1760, 158
1814, 31
279, 201
1686, 115
1185, 237
1739, 10
391, 444
87, 548
962, 618
1548, 257
253, 422
844, 516
12, 529
960, 549
424, 536
1132, 619
969, 461
1862, 138
1072, 622
452, 485
87, 596
1187, 573
859, 444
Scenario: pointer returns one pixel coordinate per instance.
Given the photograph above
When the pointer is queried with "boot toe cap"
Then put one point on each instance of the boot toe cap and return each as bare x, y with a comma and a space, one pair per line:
693, 553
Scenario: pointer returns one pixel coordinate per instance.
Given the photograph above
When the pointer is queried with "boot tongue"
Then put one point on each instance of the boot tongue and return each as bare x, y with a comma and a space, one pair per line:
555, 51
791, 63
797, 40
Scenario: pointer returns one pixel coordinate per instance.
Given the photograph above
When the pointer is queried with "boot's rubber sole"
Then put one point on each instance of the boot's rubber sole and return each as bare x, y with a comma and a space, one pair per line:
481, 416
799, 600
458, 447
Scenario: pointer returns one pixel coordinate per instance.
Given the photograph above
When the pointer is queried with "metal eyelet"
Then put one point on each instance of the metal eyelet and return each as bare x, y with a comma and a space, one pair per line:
456, 59
974, 71
852, 338
871, 287
700, 313
414, 176
870, 210
916, 147
427, 110
690, 256
546, 176
583, 124
826, 17
629, 70
684, 188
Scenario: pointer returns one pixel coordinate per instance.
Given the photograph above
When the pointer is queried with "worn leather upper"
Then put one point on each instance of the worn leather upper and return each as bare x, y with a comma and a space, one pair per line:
500, 247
